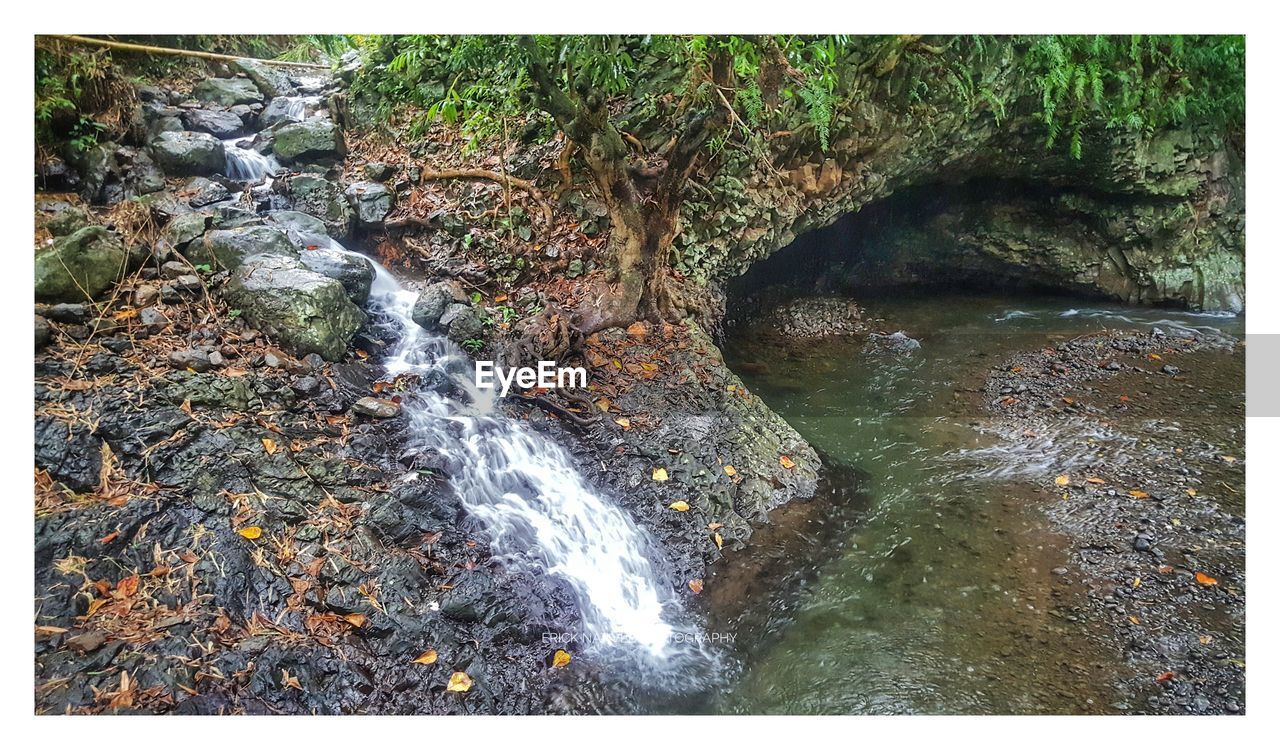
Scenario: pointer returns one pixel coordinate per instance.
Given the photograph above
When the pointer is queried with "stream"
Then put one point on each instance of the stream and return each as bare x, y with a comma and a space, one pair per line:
933, 593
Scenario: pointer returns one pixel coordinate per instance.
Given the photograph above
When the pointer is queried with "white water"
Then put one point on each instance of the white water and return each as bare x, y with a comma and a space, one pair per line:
540, 514
246, 164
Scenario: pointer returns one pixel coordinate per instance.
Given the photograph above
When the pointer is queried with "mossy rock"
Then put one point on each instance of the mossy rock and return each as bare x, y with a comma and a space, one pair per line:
81, 265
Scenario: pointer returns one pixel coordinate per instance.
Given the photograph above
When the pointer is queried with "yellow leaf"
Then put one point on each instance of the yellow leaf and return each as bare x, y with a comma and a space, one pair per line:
786, 462
728, 469
1191, 493
251, 532
427, 657
1229, 459
1177, 522
459, 682
1153, 356
679, 505
1205, 640
696, 585
561, 659
1204, 579
1063, 480
623, 422
1134, 619
660, 474
719, 541
603, 404
1139, 494
1094, 480
356, 619
269, 446
648, 367
500, 298
1137, 582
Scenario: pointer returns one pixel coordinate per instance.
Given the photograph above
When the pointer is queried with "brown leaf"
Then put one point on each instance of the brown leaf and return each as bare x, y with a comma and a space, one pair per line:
1138, 494
269, 446
1165, 676
623, 422
427, 657
127, 587
728, 469
289, 681
696, 585
1204, 579
1094, 480
786, 462
356, 619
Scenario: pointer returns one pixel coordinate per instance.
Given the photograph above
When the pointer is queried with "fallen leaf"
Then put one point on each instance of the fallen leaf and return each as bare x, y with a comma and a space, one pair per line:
109, 538
623, 422
1165, 677
427, 657
637, 329
696, 585
356, 619
660, 475
289, 681
786, 462
251, 532
719, 541
561, 659
1205, 640
648, 367
603, 404
1062, 480
1095, 480
679, 505
1191, 493
728, 469
459, 682
1134, 619
1229, 459
269, 446
1165, 569
1204, 579
500, 298
1139, 494
1137, 582
127, 587
1154, 357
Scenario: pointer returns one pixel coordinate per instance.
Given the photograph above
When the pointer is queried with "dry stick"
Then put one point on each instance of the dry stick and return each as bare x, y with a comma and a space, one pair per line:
485, 174
179, 52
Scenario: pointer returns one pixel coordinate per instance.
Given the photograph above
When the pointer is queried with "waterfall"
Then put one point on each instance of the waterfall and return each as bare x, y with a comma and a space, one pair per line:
246, 164
539, 513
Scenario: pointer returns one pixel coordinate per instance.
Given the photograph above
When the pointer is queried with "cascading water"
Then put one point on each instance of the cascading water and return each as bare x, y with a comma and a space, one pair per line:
539, 512
246, 164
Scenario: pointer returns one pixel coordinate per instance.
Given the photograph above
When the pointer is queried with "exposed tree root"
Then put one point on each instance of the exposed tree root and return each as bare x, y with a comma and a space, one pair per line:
485, 174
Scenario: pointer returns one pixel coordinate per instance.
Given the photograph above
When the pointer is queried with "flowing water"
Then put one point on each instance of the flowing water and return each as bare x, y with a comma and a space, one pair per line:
536, 508
932, 592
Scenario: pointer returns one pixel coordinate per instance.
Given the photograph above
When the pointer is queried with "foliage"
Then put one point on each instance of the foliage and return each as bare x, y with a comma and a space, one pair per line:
1136, 82
68, 87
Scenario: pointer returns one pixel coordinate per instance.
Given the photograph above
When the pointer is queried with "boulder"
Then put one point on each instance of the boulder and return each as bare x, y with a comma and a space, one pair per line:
183, 229
353, 272
298, 222
433, 301
371, 202
227, 92
61, 215
307, 312
461, 322
203, 192
83, 264
316, 139
218, 123
228, 248
287, 109
186, 153
270, 81
378, 408
314, 195
378, 170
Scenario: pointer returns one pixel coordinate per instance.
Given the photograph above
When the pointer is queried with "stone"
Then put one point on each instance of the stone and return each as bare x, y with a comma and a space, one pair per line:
61, 216
432, 302
371, 202
298, 222
204, 192
318, 138
44, 332
305, 311
227, 248
83, 264
288, 109
314, 195
378, 408
145, 295
227, 92
185, 153
461, 322
190, 359
271, 81
67, 312
353, 272
378, 170
220, 124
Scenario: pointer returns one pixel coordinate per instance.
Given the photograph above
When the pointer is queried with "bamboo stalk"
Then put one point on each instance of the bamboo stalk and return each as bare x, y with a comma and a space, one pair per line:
179, 52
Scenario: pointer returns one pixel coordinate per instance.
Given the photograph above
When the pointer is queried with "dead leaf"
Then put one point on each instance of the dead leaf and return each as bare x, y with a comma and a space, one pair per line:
696, 585
459, 682
289, 681
679, 505
1191, 493
251, 532
638, 329
427, 657
1138, 494
1062, 480
1204, 579
1165, 676
127, 587
623, 422
561, 659
1095, 480
356, 619
719, 541
269, 446
786, 462
603, 404
728, 469
660, 474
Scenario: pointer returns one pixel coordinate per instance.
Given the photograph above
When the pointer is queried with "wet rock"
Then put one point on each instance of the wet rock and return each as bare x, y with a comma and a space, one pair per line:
316, 139
306, 311
271, 81
379, 408
204, 192
283, 109
69, 453
228, 248
220, 124
44, 332
314, 195
85, 263
227, 92
461, 322
61, 216
298, 224
354, 273
195, 360
1142, 543
433, 301
371, 202
185, 153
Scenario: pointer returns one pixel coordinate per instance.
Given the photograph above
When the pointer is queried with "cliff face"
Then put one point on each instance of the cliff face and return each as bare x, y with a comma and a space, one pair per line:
1142, 217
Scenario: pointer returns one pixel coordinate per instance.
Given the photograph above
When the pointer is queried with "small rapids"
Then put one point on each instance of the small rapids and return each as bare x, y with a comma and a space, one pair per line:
246, 164
538, 511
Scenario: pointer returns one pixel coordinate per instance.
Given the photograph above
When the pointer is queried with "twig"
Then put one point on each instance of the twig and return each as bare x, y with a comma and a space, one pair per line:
179, 52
